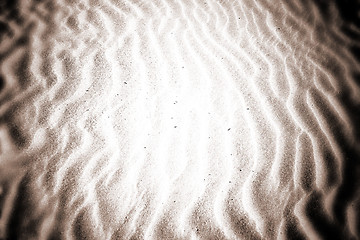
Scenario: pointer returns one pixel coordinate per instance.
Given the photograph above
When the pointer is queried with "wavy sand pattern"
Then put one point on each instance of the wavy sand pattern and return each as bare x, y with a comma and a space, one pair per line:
173, 119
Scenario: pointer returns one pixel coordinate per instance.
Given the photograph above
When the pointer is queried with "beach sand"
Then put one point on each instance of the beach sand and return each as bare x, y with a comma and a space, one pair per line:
179, 119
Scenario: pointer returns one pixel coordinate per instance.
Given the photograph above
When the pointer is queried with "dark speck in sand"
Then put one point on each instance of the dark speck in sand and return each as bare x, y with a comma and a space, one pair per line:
229, 129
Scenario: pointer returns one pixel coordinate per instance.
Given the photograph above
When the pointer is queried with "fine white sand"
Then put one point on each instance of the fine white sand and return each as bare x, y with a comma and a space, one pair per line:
178, 119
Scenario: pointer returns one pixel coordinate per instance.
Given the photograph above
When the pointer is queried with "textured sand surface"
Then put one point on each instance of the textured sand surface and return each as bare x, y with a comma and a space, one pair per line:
179, 119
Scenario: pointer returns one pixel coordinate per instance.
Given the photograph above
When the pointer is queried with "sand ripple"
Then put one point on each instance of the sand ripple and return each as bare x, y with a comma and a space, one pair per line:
179, 120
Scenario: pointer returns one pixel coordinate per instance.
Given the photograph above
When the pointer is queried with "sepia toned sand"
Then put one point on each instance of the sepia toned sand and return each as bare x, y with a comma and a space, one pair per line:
179, 119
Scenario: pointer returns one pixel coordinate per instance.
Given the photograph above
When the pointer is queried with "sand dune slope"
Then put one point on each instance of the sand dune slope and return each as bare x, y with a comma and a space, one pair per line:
179, 119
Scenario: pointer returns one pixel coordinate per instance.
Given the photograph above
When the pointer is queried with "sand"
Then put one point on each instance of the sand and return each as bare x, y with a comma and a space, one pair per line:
179, 119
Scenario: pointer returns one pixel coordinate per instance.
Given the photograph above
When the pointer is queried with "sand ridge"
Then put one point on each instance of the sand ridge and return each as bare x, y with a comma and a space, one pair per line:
178, 120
